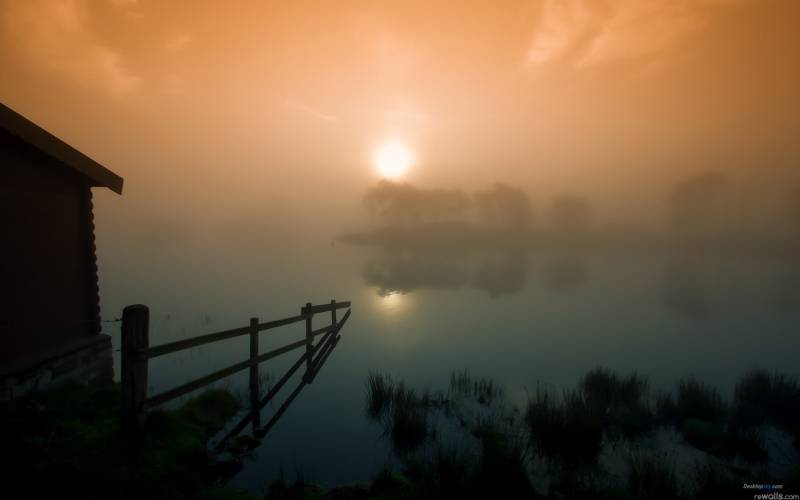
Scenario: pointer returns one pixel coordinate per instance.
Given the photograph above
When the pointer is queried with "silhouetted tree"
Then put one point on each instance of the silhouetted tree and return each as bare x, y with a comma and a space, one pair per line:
399, 203
570, 213
505, 206
692, 200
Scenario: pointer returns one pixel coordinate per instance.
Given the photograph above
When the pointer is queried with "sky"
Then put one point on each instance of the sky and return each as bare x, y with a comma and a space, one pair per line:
220, 113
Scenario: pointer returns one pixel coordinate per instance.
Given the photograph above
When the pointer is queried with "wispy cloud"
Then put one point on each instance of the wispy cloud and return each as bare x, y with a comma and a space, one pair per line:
562, 26
587, 33
311, 111
129, 7
53, 36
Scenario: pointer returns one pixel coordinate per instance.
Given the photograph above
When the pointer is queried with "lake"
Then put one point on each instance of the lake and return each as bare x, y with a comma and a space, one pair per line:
523, 318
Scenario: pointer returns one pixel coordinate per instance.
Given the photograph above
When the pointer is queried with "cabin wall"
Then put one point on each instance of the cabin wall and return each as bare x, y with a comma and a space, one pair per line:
47, 259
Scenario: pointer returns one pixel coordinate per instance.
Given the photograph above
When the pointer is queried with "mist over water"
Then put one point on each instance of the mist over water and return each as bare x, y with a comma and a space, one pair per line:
530, 294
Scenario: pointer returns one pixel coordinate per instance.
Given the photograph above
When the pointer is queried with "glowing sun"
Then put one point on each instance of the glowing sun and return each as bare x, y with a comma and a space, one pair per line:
392, 159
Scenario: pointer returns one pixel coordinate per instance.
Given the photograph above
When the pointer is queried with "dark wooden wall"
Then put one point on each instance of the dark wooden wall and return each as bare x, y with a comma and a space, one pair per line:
47, 258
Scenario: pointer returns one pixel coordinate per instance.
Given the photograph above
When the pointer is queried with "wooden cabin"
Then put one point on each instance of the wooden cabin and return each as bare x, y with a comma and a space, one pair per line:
50, 309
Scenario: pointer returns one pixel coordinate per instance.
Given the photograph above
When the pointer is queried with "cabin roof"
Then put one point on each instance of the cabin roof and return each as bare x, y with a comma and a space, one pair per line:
51, 145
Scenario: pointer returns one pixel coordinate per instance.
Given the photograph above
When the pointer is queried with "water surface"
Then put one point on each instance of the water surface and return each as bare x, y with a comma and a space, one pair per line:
522, 318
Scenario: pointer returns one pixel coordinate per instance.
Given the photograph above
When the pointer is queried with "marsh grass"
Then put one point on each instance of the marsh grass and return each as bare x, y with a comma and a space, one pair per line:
666, 410
704, 435
568, 428
391, 485
544, 419
502, 468
571, 427
760, 397
696, 400
711, 480
409, 419
724, 440
752, 399
708, 424
599, 387
632, 392
582, 430
408, 416
588, 485
380, 390
453, 466
483, 390
498, 470
622, 403
652, 478
401, 410
746, 443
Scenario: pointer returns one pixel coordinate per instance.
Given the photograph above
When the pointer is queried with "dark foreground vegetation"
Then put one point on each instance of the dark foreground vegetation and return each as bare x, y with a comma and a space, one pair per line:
610, 437
66, 443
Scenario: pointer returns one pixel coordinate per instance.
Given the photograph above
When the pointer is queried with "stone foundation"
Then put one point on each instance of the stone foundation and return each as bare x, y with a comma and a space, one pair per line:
84, 361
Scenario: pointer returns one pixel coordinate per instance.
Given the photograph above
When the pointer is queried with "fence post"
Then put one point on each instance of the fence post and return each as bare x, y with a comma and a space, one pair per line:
307, 377
134, 337
333, 315
254, 374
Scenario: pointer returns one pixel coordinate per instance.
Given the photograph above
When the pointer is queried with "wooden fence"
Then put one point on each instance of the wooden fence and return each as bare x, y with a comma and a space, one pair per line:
136, 352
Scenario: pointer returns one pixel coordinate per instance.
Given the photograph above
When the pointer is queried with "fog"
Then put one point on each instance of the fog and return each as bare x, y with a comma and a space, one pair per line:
244, 132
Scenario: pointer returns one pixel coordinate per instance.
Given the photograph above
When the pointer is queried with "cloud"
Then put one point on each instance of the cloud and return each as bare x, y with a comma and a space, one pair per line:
587, 33
178, 43
311, 111
643, 29
53, 36
563, 24
130, 8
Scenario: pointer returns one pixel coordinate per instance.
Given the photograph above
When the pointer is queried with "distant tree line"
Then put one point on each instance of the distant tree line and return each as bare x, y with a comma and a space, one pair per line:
505, 206
405, 203
500, 206
696, 205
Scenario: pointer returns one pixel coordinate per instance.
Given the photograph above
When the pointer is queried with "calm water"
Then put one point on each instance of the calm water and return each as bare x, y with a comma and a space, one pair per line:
521, 318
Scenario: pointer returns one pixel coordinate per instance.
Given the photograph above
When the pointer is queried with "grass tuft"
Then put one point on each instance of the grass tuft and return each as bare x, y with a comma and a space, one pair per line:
696, 400
380, 391
409, 419
760, 397
568, 429
651, 478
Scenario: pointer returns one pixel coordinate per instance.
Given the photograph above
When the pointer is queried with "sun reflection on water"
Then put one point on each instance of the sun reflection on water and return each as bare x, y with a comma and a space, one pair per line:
392, 301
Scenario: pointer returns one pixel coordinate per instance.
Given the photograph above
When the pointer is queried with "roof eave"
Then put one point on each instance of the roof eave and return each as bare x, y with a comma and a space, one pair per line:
51, 145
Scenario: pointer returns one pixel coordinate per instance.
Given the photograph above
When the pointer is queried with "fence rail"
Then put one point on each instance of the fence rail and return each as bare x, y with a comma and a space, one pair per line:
136, 352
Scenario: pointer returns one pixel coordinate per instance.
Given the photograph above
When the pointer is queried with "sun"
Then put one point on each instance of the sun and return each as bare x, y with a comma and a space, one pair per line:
392, 159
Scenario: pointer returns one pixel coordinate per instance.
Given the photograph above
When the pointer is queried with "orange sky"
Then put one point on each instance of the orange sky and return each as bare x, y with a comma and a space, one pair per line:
258, 105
